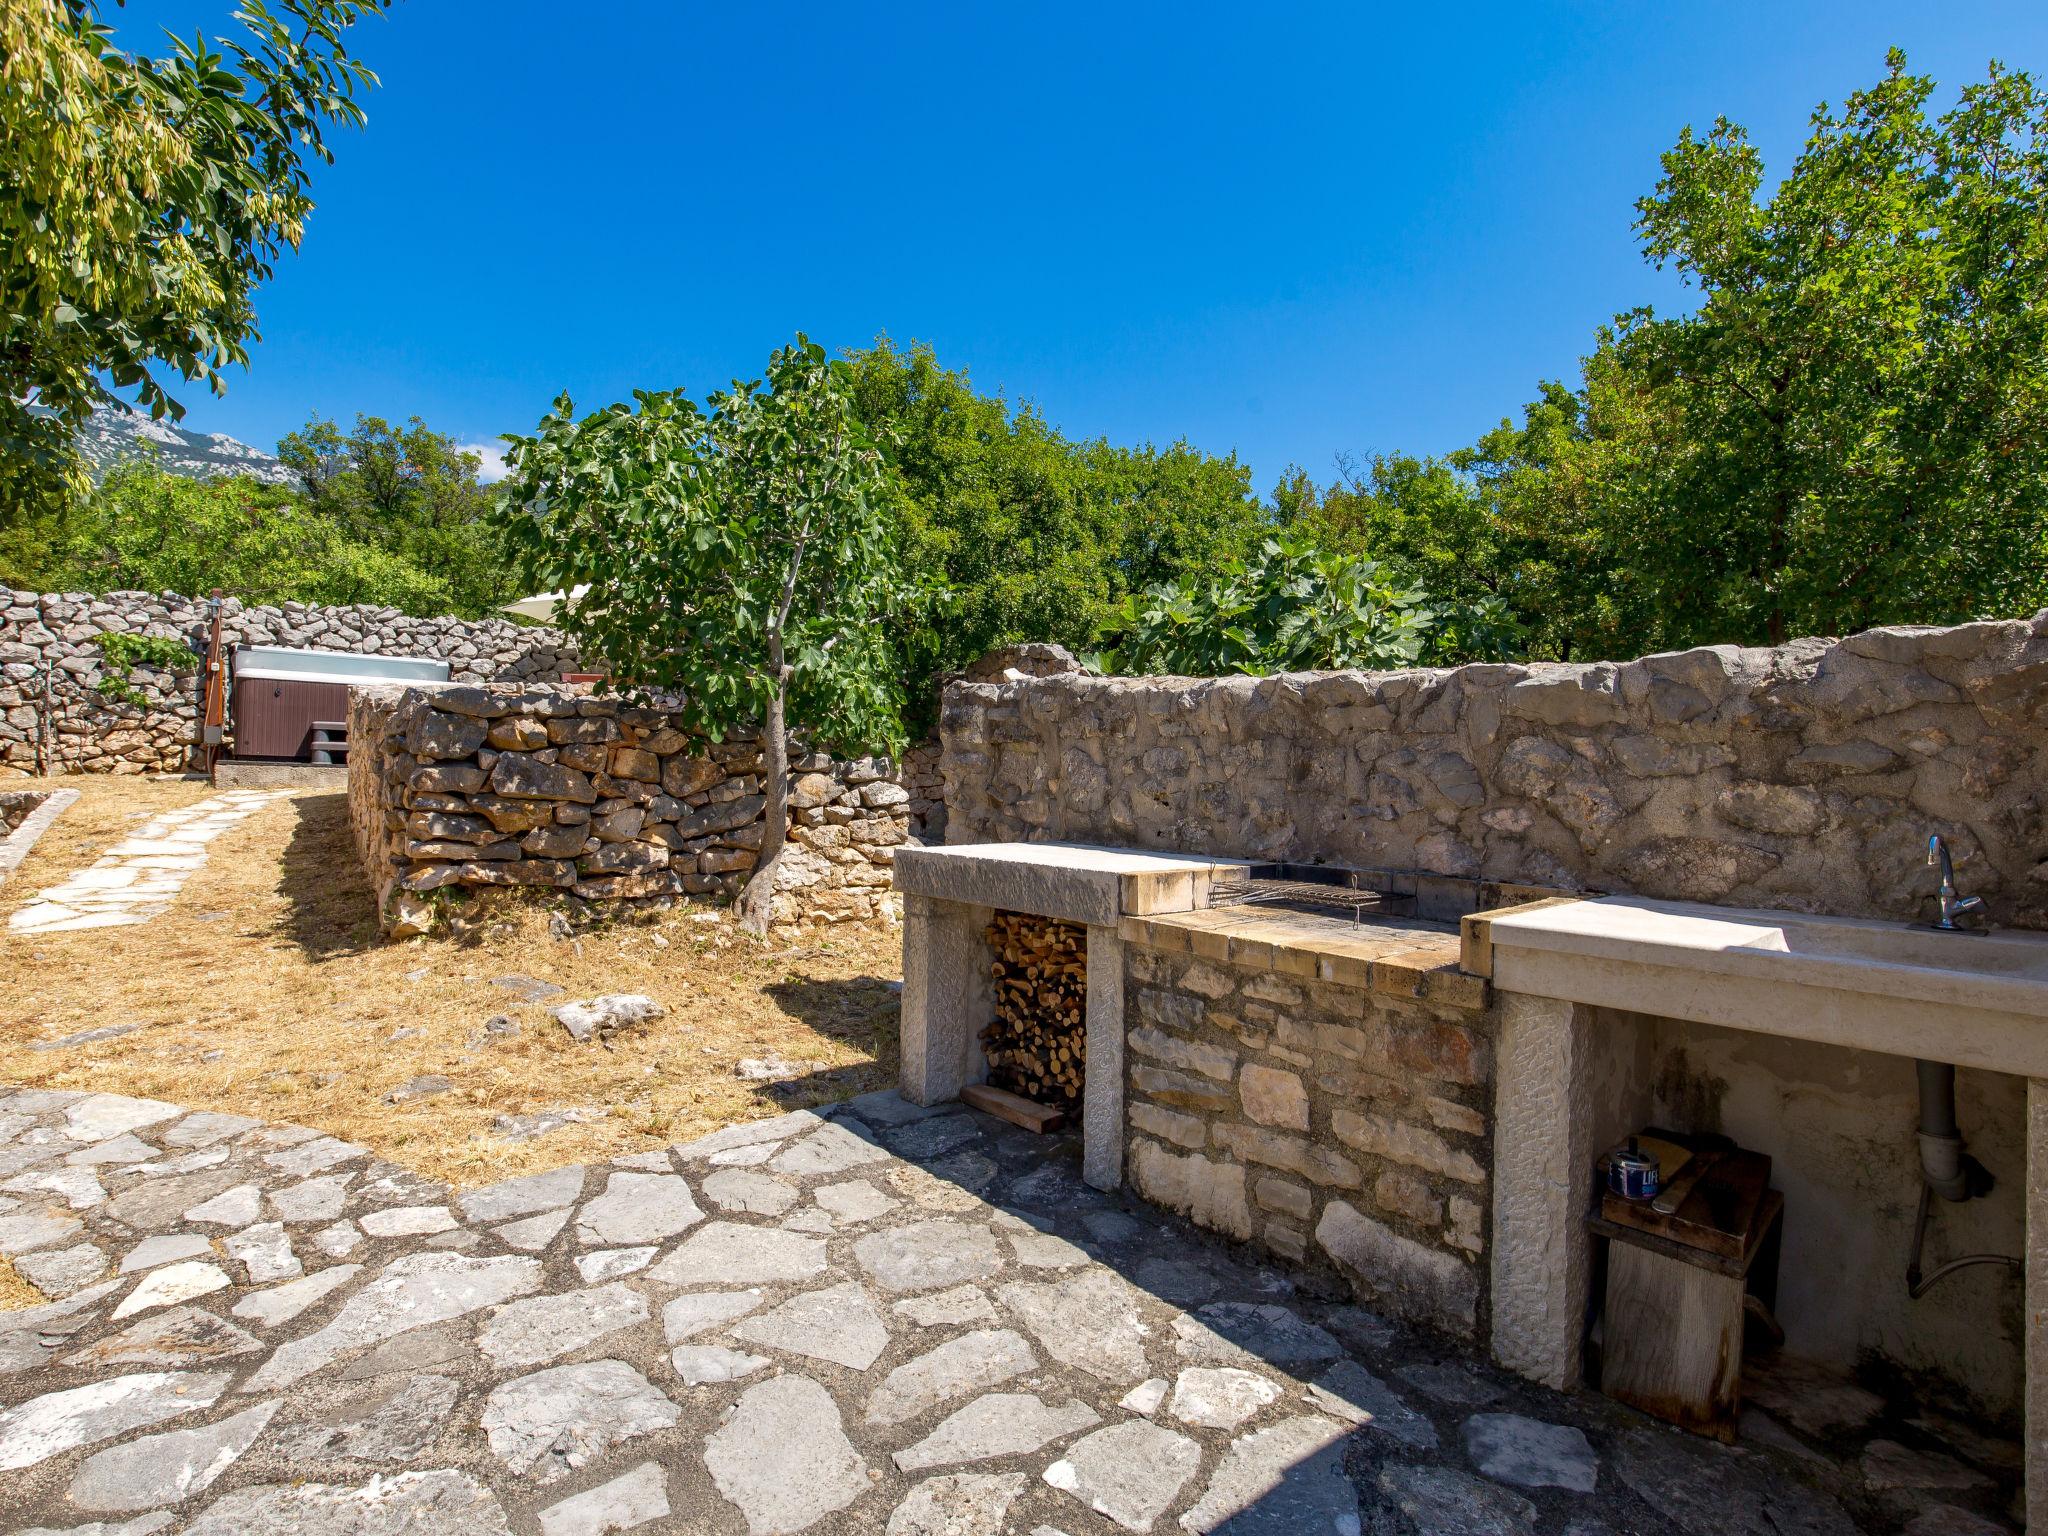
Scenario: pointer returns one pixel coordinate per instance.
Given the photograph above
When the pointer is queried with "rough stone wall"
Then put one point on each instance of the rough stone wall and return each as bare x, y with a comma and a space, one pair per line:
552, 787
1327, 1124
1805, 777
89, 732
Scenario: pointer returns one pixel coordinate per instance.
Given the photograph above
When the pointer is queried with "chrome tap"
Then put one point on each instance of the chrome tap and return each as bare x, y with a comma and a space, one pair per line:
1950, 904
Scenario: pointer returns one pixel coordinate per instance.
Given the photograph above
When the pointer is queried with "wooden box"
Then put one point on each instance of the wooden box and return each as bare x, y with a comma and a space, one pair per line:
1678, 1288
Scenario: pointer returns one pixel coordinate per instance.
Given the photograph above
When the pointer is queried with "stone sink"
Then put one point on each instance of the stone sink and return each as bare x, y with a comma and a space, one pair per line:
1975, 999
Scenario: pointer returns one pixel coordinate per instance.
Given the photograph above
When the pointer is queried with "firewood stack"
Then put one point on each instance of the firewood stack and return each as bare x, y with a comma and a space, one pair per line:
1036, 1045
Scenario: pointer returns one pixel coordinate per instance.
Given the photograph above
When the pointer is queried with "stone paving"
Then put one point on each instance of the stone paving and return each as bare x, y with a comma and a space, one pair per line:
879, 1319
135, 879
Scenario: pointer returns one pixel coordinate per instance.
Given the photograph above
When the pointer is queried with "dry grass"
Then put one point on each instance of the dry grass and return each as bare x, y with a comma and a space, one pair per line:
265, 990
15, 1292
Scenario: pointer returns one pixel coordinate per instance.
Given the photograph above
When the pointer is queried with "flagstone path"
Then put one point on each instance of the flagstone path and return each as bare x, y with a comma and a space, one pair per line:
880, 1319
135, 879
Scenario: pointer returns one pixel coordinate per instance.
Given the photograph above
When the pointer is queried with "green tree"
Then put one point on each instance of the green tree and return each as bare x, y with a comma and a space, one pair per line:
150, 531
1020, 534
1290, 606
743, 555
142, 200
412, 492
1851, 428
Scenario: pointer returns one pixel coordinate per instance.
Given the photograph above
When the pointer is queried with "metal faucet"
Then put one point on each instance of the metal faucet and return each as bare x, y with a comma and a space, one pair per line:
1950, 904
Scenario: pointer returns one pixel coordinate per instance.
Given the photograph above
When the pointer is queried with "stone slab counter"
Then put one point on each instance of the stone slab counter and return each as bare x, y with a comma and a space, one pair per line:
553, 788
1805, 777
52, 669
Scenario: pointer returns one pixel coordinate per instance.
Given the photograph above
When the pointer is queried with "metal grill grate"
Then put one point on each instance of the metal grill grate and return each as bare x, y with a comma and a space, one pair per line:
1313, 886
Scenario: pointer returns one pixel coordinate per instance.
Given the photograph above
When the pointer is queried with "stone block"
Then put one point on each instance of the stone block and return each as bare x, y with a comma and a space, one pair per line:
635, 763
1400, 1142
1273, 1097
1404, 1193
583, 729
1317, 1164
521, 776
1206, 981
1182, 1089
512, 815
1157, 1120
555, 842
1210, 1194
520, 733
686, 776
1192, 1055
435, 735
623, 859
1284, 1196
1407, 1278
1462, 1225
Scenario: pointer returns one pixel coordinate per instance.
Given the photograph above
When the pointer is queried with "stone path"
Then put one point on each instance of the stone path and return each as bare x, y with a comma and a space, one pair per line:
886, 1320
135, 879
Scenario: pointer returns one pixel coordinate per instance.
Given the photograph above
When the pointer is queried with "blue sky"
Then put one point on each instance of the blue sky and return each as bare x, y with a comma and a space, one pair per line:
1288, 231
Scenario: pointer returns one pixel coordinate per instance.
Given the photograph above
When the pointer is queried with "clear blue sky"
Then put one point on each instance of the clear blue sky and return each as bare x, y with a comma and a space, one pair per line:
1291, 231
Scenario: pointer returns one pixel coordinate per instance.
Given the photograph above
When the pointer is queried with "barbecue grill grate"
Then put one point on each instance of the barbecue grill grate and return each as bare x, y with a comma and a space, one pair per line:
1318, 886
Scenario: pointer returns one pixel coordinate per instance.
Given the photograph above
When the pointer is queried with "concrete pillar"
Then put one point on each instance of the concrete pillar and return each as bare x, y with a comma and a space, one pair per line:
1102, 1105
945, 997
1543, 1161
2035, 1339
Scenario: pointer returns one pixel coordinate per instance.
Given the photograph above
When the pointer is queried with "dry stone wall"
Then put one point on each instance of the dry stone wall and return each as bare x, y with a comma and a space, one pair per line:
1807, 776
53, 709
554, 788
1326, 1124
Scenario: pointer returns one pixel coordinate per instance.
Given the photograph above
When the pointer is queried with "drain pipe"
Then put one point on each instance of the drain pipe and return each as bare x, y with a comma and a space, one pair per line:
1945, 1170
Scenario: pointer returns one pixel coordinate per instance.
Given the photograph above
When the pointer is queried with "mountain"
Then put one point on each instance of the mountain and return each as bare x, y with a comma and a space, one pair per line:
116, 435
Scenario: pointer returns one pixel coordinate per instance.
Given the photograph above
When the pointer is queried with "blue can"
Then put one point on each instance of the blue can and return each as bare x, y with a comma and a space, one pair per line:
1633, 1174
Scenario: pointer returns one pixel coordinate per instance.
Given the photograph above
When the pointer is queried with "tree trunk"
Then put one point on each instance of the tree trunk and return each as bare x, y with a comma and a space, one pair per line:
759, 895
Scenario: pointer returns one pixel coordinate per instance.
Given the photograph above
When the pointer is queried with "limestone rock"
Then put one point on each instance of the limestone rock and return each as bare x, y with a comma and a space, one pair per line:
970, 1363
1088, 1321
702, 1364
57, 1422
957, 1504
724, 1253
629, 1500
607, 1015
782, 1457
541, 1328
638, 1208
1510, 1448
1000, 1424
553, 1422
1284, 1481
1220, 1397
1131, 1472
928, 1254
167, 1468
446, 1503
838, 1324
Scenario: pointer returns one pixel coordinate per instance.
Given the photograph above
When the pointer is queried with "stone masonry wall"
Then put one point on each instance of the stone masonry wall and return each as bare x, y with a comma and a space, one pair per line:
88, 732
1327, 1124
1805, 777
552, 787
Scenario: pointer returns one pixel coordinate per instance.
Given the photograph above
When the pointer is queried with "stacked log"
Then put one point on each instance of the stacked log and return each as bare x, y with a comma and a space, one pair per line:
1036, 1044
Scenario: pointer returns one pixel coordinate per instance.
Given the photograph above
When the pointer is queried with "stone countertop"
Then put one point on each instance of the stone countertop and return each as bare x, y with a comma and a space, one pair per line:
1075, 882
1404, 957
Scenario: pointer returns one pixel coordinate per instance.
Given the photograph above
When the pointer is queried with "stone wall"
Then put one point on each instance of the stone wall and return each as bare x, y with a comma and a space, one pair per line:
49, 639
1805, 777
1328, 1124
552, 787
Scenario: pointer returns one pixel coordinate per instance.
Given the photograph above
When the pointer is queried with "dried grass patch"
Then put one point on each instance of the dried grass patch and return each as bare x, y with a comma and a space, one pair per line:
265, 990
15, 1292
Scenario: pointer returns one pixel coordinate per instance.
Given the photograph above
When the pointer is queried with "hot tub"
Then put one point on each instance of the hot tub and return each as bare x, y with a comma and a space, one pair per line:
280, 694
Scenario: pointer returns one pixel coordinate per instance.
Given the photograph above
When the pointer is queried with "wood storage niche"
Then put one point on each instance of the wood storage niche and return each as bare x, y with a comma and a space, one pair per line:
1037, 1043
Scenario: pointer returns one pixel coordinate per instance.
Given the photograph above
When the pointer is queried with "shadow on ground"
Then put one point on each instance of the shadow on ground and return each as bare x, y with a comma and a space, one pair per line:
1428, 1436
330, 911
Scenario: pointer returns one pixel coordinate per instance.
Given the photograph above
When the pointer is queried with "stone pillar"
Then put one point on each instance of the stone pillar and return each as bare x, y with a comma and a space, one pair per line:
1102, 1107
945, 997
2035, 1335
1543, 1160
